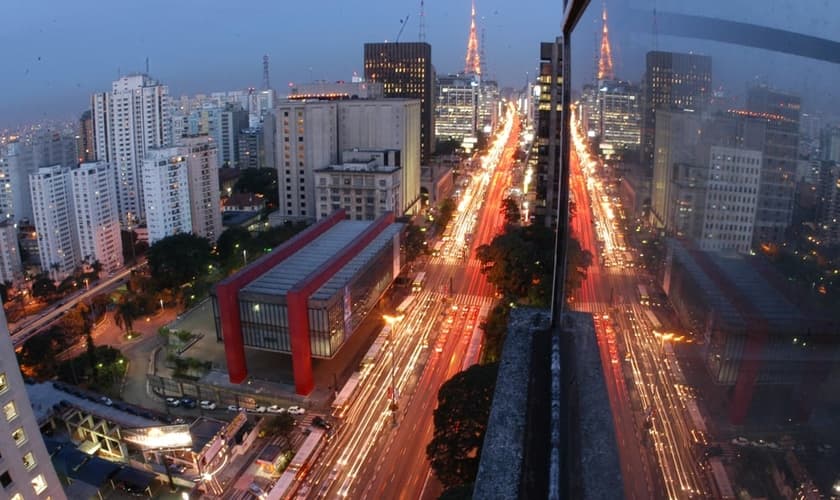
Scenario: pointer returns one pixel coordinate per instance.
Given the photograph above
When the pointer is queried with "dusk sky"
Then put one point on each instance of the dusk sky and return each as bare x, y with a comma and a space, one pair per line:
57, 53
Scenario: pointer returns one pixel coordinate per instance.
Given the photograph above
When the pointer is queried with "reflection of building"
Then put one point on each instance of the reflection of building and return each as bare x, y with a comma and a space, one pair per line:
757, 337
547, 143
366, 185
280, 304
456, 107
619, 117
25, 467
405, 70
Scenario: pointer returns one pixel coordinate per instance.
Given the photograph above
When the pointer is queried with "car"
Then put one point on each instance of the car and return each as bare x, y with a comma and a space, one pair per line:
106, 401
207, 405
275, 409
438, 347
320, 422
173, 402
188, 402
740, 441
234, 408
296, 410
259, 409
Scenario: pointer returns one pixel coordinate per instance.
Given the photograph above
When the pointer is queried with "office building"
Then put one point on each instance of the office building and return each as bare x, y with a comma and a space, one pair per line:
830, 143
405, 70
672, 81
251, 148
11, 268
619, 117
203, 182
780, 112
456, 108
95, 209
489, 101
279, 304
366, 185
128, 121
329, 91
547, 144
828, 202
311, 134
26, 471
55, 221
166, 184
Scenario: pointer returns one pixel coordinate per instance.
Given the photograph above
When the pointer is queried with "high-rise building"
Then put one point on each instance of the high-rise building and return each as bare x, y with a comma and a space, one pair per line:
547, 143
85, 143
251, 148
330, 91
128, 121
26, 471
672, 81
366, 185
830, 143
405, 70
54, 218
780, 112
203, 181
488, 105
166, 184
456, 109
311, 134
11, 268
619, 113
23, 157
97, 221
828, 202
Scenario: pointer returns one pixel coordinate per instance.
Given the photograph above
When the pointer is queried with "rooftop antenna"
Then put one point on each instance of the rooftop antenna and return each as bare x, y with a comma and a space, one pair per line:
422, 21
266, 81
403, 22
481, 58
147, 65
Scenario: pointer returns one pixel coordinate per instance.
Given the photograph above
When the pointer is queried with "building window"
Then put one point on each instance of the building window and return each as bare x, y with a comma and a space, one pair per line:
10, 410
3, 383
19, 436
39, 484
5, 479
17, 496
29, 461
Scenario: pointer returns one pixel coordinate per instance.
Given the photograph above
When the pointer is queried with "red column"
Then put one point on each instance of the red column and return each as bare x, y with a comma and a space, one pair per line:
226, 295
297, 302
748, 370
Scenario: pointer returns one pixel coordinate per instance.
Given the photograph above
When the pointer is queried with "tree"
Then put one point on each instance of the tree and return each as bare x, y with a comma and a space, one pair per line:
495, 330
43, 286
77, 321
445, 211
99, 304
231, 243
520, 263
178, 259
127, 311
415, 242
261, 181
577, 262
280, 425
510, 210
460, 424
460, 492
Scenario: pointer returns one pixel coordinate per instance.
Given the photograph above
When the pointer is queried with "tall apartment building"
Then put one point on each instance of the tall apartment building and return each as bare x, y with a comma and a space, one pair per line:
547, 143
672, 81
11, 268
366, 185
310, 135
830, 143
456, 107
23, 157
405, 70
166, 184
203, 182
97, 221
251, 148
780, 111
84, 140
223, 122
128, 121
619, 115
828, 201
26, 471
55, 222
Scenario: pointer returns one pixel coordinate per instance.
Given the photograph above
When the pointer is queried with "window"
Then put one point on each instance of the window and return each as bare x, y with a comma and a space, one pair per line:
29, 461
19, 436
10, 410
16, 496
39, 484
5, 479
3, 383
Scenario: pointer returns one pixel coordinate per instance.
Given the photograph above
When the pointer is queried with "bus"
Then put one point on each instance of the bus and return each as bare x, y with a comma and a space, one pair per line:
405, 304
438, 248
307, 453
341, 401
644, 298
628, 259
654, 321
419, 281
376, 348
721, 479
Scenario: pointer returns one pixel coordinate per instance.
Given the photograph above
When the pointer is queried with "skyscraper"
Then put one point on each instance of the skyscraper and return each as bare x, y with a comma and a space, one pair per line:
25, 467
167, 194
85, 143
456, 109
11, 268
405, 70
127, 121
203, 181
620, 117
54, 218
672, 81
97, 222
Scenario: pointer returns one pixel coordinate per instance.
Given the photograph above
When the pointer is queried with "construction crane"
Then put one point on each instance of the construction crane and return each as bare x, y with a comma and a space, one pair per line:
403, 22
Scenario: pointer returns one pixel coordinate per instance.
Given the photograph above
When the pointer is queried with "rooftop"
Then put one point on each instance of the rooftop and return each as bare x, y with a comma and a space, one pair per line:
45, 395
203, 430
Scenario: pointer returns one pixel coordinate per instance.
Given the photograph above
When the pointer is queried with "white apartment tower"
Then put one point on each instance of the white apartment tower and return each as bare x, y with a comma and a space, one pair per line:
26, 471
127, 122
11, 269
167, 196
203, 182
97, 222
52, 206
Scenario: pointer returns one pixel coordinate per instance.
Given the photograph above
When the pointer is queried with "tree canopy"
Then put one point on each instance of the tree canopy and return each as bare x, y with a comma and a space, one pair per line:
177, 259
460, 424
510, 210
261, 181
415, 242
445, 211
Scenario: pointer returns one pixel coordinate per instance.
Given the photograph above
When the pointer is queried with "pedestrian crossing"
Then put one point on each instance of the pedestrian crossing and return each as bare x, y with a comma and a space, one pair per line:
466, 299
455, 261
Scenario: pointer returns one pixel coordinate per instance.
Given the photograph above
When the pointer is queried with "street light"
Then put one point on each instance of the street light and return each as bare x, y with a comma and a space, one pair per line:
244, 257
161, 304
392, 322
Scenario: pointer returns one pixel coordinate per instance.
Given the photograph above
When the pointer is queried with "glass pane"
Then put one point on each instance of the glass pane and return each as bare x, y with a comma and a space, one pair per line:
705, 178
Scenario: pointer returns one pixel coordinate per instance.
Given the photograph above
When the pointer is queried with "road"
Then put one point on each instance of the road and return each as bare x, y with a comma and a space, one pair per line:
647, 392
377, 453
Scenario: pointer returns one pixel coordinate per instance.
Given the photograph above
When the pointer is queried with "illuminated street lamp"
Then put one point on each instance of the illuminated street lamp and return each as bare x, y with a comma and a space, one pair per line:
392, 322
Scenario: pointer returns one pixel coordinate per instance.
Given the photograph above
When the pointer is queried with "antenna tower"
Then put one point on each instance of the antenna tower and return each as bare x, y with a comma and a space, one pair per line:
473, 60
266, 81
422, 36
605, 62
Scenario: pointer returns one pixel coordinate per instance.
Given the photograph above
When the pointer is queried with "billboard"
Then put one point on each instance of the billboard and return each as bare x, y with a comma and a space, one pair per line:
164, 437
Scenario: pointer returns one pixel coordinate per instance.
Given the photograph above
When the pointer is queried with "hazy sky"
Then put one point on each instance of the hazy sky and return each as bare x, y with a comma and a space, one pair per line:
57, 52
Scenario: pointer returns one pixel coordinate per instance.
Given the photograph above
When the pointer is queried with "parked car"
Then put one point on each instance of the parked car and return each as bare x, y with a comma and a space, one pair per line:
106, 401
234, 408
173, 402
275, 409
259, 409
207, 405
188, 402
320, 422
296, 410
